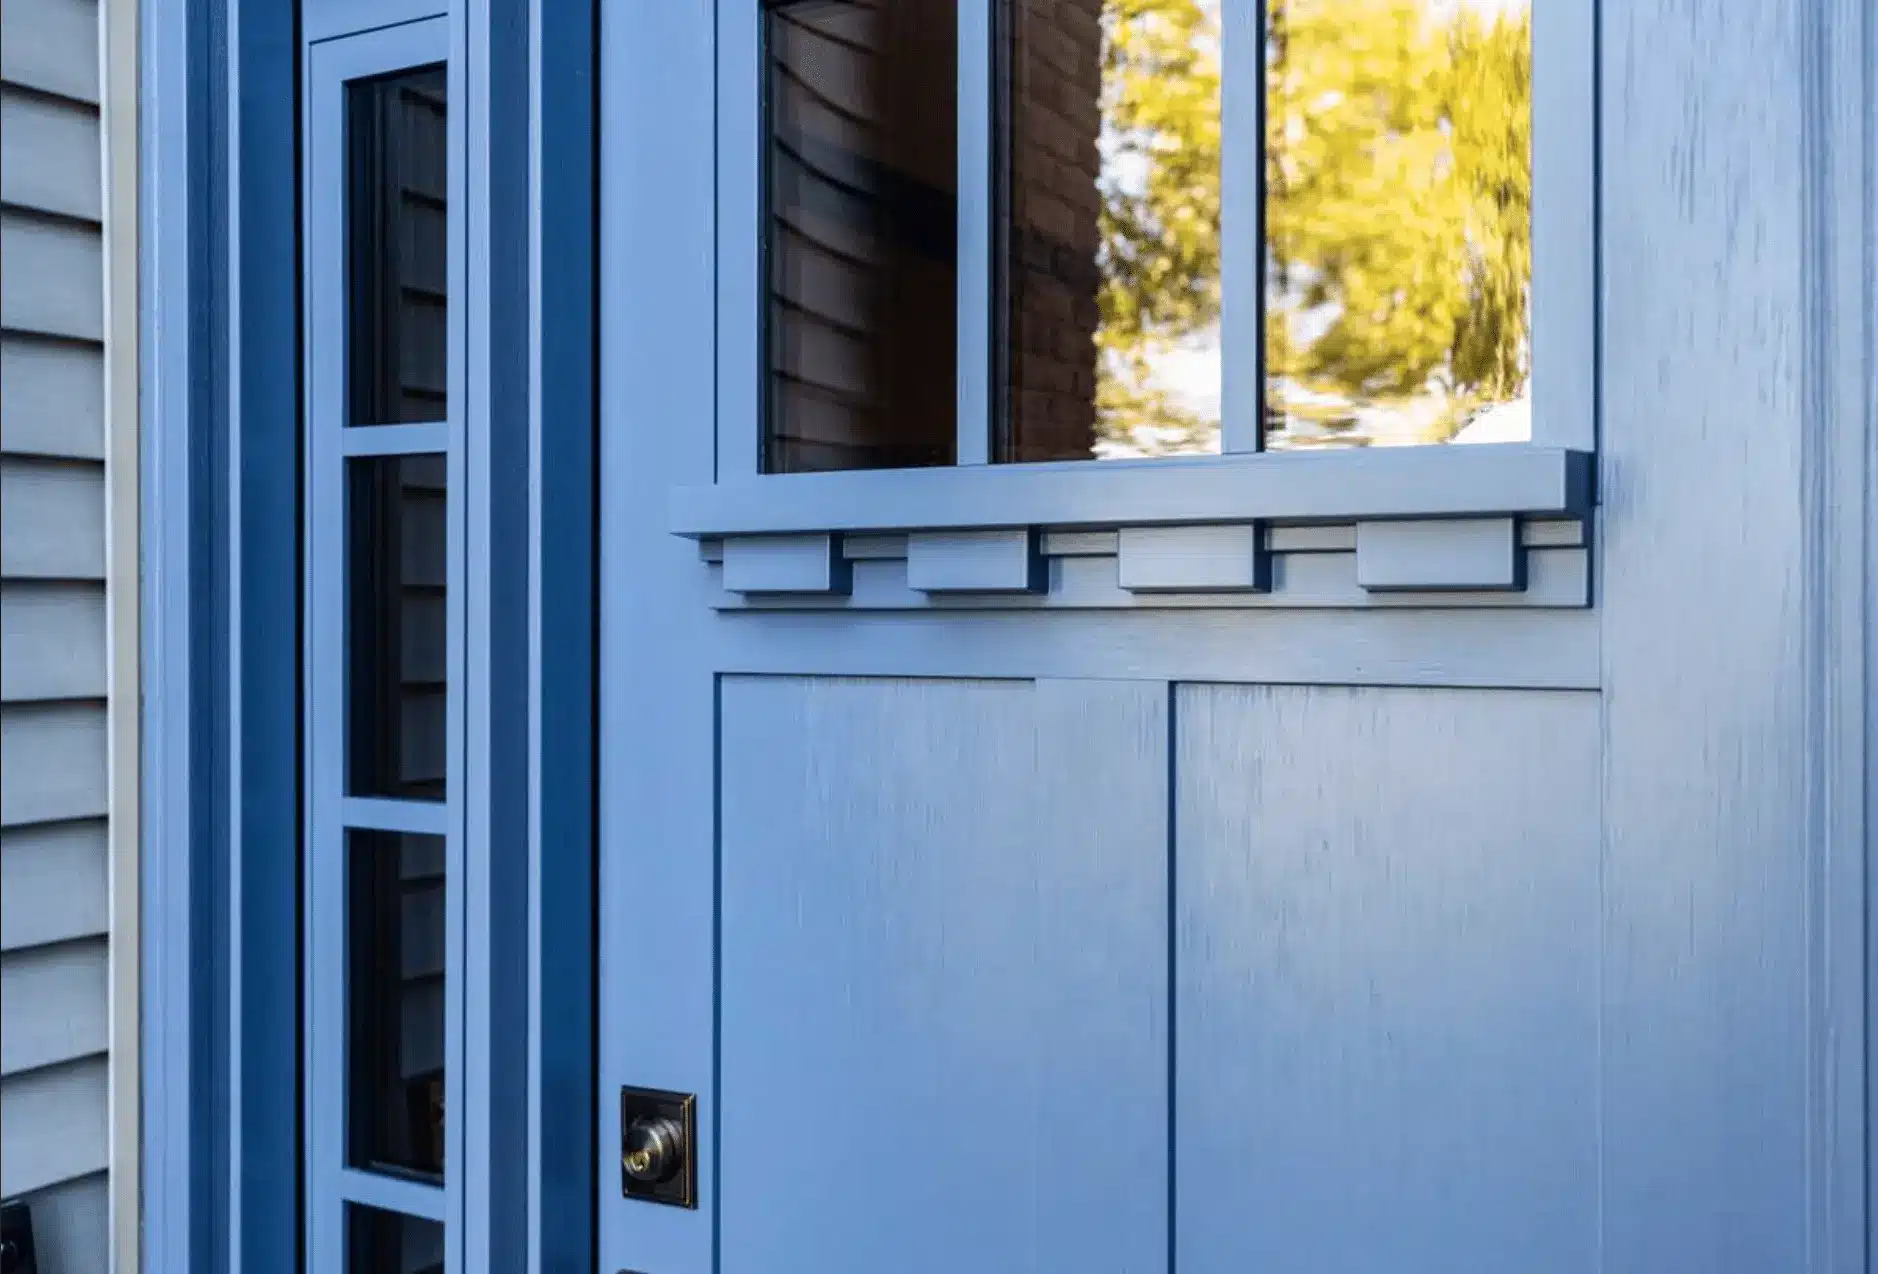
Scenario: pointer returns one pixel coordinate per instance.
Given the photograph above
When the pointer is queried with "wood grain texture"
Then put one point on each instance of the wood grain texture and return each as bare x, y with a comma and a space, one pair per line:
1386, 980
1705, 1077
944, 980
1840, 202
1437, 556
1187, 559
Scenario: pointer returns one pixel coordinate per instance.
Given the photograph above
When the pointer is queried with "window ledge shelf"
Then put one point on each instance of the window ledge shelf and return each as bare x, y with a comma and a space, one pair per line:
1348, 486
1427, 526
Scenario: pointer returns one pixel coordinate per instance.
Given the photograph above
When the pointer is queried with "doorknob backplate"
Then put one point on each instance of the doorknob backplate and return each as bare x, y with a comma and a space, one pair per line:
658, 1146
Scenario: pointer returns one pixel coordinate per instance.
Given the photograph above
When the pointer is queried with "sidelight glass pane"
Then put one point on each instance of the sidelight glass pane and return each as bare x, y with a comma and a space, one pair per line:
379, 1242
861, 233
397, 555
1112, 229
1398, 222
397, 310
395, 935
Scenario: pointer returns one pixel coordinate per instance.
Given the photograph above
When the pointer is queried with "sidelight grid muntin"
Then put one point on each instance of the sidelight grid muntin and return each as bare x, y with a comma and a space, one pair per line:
341, 1182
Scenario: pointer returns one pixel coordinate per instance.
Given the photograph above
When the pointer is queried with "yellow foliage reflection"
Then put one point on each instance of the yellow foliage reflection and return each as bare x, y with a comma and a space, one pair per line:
1398, 222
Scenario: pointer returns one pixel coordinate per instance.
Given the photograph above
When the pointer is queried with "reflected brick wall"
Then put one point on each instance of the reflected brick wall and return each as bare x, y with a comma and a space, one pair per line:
862, 239
1051, 269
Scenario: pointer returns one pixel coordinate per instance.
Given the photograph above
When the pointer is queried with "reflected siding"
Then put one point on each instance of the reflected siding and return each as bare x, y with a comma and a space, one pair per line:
861, 234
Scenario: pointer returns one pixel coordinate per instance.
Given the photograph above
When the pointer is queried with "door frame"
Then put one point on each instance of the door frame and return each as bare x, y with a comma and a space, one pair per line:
220, 373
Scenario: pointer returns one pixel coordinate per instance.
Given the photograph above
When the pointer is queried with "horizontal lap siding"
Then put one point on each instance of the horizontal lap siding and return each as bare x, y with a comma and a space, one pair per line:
54, 805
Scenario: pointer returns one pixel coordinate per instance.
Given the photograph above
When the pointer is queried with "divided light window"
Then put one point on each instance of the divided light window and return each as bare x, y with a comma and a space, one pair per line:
384, 852
1386, 213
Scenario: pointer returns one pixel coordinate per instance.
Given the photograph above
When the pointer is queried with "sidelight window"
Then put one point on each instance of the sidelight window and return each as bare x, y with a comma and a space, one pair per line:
384, 845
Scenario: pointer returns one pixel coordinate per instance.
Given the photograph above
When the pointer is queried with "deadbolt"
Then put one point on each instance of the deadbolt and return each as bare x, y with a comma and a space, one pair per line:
655, 1149
658, 1140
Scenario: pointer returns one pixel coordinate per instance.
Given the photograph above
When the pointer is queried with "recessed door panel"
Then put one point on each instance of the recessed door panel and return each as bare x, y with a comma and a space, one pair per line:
943, 976
1388, 945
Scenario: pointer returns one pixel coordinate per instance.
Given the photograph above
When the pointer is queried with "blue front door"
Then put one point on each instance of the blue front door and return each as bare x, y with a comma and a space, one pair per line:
1096, 775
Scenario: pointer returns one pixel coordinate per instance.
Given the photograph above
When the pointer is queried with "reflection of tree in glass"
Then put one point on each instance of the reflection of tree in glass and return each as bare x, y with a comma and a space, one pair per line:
1398, 219
1399, 194
1160, 203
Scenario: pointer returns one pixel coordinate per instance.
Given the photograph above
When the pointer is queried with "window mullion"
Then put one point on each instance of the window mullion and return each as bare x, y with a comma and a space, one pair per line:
977, 108
1241, 228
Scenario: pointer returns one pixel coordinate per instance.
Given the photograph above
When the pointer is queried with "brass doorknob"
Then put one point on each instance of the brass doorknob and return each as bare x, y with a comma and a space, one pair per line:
655, 1149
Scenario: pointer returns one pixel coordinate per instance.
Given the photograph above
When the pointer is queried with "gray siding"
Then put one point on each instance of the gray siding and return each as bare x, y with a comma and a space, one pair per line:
54, 854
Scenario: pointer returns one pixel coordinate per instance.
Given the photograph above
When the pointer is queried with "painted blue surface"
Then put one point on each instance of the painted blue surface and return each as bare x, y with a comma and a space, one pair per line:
1188, 559
785, 564
1387, 968
1004, 560
565, 1133
183, 1174
263, 663
1422, 953
1382, 482
943, 976
1436, 555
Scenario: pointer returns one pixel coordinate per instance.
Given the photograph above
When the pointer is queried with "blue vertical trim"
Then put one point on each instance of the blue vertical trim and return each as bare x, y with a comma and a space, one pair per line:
262, 679
1565, 278
182, 330
492, 103
221, 536
977, 117
740, 232
563, 1132
457, 1082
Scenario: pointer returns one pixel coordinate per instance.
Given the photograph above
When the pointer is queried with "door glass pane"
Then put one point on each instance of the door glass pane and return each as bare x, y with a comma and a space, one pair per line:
395, 645
395, 1000
1398, 178
1112, 242
380, 1242
397, 309
861, 233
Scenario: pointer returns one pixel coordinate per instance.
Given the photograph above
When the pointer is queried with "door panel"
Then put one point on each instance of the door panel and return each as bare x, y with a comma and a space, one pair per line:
1387, 979
943, 975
